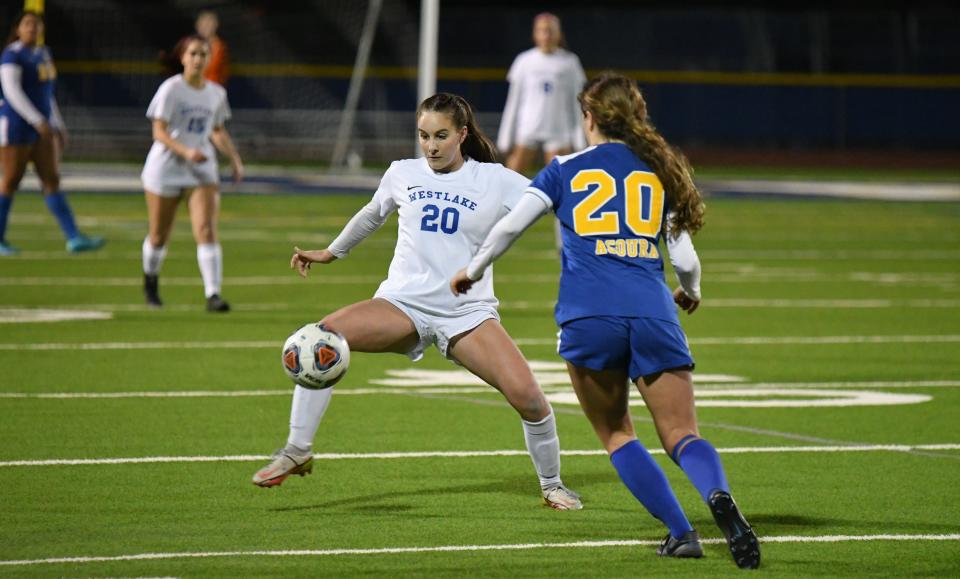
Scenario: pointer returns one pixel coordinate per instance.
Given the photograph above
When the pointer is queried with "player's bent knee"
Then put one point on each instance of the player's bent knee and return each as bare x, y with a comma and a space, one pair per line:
532, 406
676, 439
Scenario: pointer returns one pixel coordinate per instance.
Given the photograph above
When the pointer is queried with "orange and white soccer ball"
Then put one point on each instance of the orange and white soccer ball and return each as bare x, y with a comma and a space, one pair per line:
315, 357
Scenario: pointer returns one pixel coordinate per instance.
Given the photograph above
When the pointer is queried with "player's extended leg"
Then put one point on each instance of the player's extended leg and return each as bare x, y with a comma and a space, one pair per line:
13, 161
44, 156
489, 353
604, 399
520, 158
369, 326
204, 206
161, 212
669, 397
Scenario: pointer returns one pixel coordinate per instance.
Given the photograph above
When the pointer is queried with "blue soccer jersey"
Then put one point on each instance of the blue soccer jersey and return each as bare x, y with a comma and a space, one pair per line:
611, 209
37, 77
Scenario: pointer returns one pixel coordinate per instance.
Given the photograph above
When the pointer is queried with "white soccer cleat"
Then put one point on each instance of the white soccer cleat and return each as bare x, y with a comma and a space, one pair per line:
283, 465
562, 498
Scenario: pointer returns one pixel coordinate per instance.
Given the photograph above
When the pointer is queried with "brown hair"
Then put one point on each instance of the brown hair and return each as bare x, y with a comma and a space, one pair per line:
181, 46
476, 146
14, 30
620, 113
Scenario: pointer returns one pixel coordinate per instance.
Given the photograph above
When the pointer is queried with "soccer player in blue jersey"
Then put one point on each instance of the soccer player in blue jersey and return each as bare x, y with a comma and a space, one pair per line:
615, 200
31, 129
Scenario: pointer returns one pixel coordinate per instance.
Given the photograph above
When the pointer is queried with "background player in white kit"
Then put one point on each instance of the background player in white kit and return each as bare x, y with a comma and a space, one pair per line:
188, 114
447, 202
542, 109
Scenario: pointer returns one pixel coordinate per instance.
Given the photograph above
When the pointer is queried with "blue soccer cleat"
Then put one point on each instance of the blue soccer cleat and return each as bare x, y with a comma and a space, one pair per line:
81, 242
7, 250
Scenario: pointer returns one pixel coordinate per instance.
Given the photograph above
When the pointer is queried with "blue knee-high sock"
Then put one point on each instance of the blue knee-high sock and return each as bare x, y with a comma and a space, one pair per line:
701, 461
57, 204
5, 203
645, 479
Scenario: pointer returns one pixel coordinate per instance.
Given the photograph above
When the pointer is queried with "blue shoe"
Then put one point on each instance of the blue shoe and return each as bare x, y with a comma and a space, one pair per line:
7, 250
83, 243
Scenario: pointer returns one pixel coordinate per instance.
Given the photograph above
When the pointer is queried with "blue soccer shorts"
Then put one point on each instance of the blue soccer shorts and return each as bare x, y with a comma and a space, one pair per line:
641, 346
14, 131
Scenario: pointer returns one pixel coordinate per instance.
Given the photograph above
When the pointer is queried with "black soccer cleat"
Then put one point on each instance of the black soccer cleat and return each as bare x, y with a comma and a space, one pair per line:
687, 546
743, 542
215, 303
151, 290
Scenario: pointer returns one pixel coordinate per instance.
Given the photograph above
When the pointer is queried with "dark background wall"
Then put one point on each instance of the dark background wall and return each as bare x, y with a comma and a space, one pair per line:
800, 75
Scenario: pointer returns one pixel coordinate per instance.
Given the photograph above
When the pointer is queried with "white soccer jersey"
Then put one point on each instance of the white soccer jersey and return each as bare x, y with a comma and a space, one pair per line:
542, 100
443, 219
191, 115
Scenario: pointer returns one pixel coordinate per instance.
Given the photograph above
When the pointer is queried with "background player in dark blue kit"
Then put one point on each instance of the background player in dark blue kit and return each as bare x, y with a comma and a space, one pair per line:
31, 129
617, 318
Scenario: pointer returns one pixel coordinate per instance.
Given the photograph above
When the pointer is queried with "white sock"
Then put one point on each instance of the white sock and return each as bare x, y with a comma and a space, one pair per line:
543, 444
210, 259
153, 257
305, 415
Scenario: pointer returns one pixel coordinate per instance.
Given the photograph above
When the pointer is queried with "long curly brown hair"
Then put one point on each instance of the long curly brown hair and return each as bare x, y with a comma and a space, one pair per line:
620, 113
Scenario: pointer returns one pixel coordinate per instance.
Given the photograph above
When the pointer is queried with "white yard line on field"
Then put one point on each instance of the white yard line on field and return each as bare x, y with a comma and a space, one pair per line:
441, 389
461, 548
133, 281
464, 454
782, 340
743, 277
718, 341
252, 307
785, 303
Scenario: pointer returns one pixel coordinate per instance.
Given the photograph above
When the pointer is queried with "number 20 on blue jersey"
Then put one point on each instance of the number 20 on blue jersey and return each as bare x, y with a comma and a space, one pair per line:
643, 203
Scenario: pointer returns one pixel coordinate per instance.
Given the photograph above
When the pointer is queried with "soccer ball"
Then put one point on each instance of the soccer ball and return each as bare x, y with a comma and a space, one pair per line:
315, 357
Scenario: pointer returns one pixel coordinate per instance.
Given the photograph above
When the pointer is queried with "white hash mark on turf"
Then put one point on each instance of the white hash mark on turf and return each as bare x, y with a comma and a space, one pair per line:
718, 341
464, 548
463, 454
32, 315
701, 386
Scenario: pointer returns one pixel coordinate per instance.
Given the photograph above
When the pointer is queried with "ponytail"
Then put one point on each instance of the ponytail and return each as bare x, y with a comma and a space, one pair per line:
620, 112
476, 145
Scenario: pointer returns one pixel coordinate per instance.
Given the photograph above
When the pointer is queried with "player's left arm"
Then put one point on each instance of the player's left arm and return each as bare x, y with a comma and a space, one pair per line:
222, 141
686, 264
57, 125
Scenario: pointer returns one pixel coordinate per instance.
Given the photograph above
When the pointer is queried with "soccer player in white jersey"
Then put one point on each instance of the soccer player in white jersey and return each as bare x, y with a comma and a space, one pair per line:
447, 202
188, 115
542, 109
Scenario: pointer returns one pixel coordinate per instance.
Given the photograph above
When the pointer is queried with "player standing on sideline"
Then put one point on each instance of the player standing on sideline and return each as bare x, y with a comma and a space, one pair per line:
447, 202
541, 107
617, 319
31, 129
188, 114
206, 26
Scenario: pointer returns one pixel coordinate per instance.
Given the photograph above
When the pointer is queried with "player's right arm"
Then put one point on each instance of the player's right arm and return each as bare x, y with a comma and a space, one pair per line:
11, 74
370, 218
508, 121
162, 135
